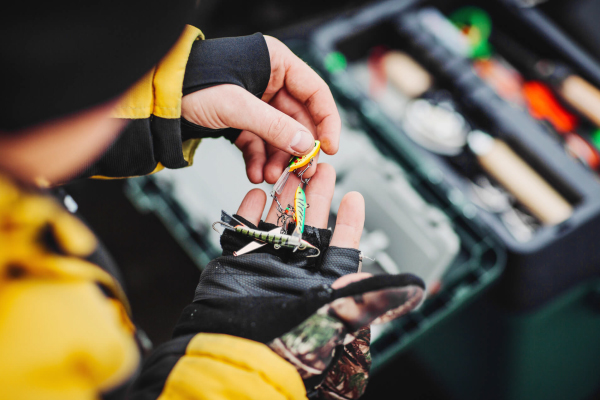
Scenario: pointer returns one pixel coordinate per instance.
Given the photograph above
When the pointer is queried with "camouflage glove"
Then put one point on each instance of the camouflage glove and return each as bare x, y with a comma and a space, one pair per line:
348, 378
333, 362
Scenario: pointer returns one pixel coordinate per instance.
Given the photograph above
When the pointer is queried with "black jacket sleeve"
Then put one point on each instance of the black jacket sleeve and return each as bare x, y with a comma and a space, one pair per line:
146, 143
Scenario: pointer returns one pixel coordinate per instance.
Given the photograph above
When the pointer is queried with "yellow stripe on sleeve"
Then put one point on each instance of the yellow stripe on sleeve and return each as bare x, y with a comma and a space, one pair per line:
226, 367
189, 150
168, 79
138, 102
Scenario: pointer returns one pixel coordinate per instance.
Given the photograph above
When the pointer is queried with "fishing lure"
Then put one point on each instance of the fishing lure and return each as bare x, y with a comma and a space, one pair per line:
299, 211
296, 212
294, 164
277, 239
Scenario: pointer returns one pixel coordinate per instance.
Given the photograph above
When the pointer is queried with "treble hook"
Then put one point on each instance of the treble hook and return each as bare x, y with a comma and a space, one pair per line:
283, 220
316, 255
301, 173
225, 224
279, 207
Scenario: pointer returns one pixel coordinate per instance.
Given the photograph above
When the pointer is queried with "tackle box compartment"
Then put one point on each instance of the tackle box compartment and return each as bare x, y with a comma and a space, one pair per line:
535, 334
557, 257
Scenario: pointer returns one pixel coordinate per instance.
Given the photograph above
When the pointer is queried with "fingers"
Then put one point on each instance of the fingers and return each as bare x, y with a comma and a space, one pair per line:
253, 206
308, 88
319, 193
255, 155
278, 160
350, 221
232, 106
377, 306
287, 104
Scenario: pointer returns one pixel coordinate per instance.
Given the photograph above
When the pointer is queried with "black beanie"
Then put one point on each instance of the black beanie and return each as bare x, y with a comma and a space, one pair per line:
59, 57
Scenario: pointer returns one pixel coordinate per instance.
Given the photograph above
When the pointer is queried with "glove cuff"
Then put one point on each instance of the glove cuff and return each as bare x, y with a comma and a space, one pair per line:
257, 314
243, 61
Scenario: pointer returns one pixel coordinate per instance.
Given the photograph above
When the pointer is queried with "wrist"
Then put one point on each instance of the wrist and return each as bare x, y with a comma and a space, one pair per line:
242, 61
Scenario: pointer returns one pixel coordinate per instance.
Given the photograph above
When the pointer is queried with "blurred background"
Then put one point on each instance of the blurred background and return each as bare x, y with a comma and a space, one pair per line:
472, 129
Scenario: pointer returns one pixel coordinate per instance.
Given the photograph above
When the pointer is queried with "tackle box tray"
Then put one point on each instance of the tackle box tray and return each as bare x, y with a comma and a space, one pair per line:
479, 262
557, 257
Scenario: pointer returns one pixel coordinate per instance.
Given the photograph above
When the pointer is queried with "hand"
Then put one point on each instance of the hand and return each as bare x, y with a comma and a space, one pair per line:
313, 312
348, 377
296, 108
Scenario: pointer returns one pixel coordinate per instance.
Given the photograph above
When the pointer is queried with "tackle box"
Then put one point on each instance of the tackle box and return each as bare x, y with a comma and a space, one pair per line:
556, 257
535, 334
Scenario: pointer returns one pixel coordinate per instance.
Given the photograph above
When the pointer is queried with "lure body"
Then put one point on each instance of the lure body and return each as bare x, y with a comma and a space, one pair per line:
299, 162
274, 237
268, 237
299, 211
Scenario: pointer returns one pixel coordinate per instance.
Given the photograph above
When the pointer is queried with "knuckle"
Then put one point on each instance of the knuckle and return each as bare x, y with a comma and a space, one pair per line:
277, 127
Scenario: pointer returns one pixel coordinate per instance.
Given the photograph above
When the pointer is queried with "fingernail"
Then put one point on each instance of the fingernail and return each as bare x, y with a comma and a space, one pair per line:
302, 142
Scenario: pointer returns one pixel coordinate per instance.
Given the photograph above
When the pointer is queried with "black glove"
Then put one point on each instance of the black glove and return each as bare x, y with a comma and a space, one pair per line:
286, 300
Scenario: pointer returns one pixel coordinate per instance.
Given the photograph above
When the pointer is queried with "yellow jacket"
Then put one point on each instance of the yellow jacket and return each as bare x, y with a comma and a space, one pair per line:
65, 329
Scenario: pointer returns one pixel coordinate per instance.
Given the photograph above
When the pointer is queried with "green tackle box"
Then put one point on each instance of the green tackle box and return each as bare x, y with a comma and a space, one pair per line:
535, 334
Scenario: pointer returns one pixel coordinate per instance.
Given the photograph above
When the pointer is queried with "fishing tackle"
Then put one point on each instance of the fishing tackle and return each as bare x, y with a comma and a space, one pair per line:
294, 164
436, 126
296, 212
277, 239
254, 245
299, 211
285, 214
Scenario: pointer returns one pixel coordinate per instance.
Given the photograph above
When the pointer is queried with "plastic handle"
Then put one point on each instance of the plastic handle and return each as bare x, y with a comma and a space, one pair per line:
501, 162
582, 96
406, 74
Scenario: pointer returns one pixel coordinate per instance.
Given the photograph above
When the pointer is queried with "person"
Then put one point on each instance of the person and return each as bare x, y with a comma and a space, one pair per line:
78, 101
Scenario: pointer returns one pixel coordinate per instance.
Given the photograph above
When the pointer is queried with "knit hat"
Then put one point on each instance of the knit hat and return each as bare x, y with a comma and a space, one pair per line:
60, 57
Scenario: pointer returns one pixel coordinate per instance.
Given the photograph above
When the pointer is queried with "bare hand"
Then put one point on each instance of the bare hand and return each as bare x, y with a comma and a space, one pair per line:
296, 108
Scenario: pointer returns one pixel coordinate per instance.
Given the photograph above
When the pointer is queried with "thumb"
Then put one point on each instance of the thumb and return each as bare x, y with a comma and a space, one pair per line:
232, 106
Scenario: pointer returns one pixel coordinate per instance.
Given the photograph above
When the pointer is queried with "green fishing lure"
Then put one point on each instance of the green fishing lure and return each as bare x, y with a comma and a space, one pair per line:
277, 239
299, 211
